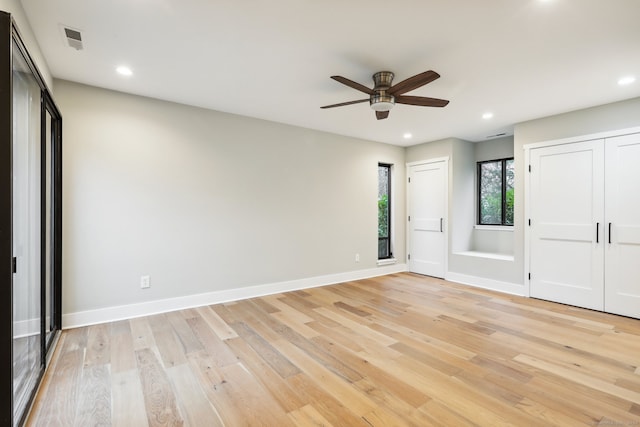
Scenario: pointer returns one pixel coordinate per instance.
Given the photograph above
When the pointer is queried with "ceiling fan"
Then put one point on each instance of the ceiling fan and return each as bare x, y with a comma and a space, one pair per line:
384, 95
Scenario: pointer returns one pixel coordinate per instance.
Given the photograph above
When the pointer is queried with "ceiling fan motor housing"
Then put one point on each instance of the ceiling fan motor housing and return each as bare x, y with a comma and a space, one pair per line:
381, 100
382, 80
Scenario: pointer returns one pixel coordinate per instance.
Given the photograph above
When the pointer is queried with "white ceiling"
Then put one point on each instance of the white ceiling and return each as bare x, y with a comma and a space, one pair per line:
520, 59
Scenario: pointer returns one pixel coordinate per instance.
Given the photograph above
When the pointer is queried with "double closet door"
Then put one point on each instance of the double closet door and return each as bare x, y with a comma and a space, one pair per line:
585, 224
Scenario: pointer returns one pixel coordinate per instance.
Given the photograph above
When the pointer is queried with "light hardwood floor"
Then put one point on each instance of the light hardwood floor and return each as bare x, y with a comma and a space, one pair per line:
396, 350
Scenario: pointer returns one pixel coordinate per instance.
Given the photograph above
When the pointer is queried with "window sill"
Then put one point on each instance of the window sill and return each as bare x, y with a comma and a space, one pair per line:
489, 255
386, 261
494, 227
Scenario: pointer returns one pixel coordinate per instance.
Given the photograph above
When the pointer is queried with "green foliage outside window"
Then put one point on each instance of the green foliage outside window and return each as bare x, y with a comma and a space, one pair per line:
384, 211
383, 215
496, 192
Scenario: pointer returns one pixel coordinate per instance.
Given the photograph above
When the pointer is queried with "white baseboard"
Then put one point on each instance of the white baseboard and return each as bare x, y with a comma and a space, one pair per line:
26, 328
110, 314
482, 282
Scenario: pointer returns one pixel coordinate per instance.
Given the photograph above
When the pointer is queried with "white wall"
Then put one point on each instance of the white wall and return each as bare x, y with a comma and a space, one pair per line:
204, 201
14, 7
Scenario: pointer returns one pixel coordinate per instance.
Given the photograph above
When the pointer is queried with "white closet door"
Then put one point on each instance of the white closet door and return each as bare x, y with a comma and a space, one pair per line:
567, 195
427, 210
622, 209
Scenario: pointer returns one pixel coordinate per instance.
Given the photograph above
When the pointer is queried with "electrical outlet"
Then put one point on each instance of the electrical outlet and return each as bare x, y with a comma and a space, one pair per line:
357, 257
145, 282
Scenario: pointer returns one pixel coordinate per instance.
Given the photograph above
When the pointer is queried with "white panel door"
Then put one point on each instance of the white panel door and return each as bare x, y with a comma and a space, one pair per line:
567, 224
622, 209
427, 212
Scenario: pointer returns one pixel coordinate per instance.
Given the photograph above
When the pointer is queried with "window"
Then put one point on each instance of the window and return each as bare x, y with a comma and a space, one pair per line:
495, 192
384, 211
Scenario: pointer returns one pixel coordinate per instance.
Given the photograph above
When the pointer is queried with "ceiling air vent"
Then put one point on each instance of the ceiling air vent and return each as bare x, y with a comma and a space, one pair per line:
496, 135
74, 38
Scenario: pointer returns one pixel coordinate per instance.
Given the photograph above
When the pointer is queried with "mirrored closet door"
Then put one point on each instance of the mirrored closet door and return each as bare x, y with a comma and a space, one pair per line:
30, 225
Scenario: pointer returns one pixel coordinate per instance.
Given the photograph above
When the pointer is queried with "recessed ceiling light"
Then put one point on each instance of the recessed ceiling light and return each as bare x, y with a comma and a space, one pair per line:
407, 135
487, 116
124, 71
627, 80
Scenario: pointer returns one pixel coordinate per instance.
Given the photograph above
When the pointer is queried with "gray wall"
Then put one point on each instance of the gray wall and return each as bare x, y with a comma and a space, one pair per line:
619, 115
204, 201
499, 148
430, 150
462, 216
496, 241
433, 150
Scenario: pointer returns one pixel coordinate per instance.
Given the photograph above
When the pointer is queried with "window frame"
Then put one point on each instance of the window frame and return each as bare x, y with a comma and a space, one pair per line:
389, 168
503, 213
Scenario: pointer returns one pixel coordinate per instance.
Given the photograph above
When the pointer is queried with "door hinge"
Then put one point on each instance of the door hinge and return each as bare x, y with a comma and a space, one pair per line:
409, 257
529, 276
529, 168
14, 265
409, 218
409, 180
529, 222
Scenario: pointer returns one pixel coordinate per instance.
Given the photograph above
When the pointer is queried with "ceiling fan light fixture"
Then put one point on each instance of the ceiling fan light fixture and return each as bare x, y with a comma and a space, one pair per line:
382, 102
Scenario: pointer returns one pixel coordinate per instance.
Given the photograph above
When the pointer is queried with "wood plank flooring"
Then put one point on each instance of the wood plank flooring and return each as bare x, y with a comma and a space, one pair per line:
398, 350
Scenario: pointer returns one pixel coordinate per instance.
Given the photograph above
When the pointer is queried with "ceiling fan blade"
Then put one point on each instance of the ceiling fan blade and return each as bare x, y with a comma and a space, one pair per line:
382, 115
421, 101
342, 104
352, 84
413, 82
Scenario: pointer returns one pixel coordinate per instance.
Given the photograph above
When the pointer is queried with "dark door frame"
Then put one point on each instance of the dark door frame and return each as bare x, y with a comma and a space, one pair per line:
8, 35
6, 249
48, 106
